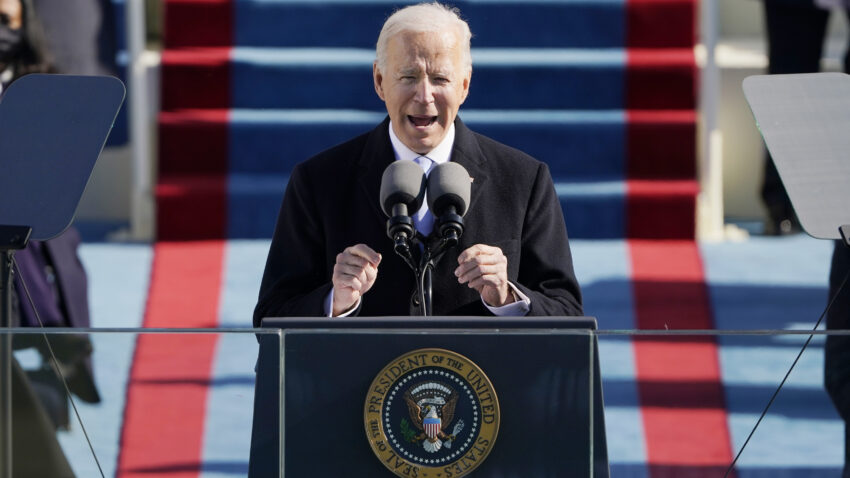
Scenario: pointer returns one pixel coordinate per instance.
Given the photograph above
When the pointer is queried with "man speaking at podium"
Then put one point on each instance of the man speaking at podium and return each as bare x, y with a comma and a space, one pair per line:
330, 255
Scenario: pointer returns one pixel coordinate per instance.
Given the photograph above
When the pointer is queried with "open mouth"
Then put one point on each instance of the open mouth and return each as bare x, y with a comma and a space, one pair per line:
422, 121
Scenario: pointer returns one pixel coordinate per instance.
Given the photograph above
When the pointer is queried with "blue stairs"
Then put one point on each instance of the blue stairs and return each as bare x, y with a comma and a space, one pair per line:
604, 91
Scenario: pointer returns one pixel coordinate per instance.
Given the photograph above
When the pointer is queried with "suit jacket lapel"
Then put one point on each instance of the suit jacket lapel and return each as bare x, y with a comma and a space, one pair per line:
377, 155
467, 153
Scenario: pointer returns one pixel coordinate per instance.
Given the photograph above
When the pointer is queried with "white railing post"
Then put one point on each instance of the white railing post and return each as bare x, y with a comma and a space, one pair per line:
141, 199
710, 171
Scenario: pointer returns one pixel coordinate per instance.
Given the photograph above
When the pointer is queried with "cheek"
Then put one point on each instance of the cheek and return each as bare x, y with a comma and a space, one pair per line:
401, 94
448, 100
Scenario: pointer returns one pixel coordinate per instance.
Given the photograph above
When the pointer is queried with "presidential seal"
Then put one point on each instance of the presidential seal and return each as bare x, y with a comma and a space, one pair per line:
431, 413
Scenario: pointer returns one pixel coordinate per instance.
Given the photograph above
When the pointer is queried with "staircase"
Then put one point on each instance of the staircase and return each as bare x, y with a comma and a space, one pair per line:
604, 91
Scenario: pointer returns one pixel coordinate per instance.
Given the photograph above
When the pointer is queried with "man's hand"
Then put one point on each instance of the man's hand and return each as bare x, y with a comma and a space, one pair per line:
354, 274
485, 269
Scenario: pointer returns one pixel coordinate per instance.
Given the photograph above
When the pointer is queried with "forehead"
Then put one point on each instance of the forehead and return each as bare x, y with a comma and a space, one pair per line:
411, 48
14, 10
10, 6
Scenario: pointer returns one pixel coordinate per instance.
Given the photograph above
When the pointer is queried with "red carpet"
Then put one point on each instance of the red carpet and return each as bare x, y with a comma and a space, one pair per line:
167, 394
679, 384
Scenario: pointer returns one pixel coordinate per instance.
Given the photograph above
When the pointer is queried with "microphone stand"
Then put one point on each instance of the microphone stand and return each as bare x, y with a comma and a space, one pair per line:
400, 229
432, 254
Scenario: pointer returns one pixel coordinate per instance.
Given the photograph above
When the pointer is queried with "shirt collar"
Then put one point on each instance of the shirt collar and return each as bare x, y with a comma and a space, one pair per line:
441, 154
6, 78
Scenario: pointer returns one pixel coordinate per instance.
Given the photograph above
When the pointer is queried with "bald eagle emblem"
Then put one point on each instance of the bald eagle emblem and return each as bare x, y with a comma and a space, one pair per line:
431, 413
431, 406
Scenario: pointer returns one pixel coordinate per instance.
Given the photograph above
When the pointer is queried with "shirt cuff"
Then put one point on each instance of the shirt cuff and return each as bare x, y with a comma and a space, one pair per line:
518, 308
329, 306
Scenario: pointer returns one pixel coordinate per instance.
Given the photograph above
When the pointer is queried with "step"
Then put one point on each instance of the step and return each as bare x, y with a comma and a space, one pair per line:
502, 79
246, 207
191, 208
494, 23
575, 144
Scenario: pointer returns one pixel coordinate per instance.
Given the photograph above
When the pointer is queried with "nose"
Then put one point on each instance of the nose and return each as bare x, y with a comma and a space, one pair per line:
424, 92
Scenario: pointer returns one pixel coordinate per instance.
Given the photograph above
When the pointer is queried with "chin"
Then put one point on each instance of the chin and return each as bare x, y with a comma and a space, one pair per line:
419, 148
418, 144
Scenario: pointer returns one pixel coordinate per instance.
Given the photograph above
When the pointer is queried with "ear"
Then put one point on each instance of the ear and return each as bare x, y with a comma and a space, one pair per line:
378, 79
465, 85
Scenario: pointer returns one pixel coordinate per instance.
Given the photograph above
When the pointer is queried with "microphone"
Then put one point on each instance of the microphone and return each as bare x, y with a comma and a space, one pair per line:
448, 199
402, 194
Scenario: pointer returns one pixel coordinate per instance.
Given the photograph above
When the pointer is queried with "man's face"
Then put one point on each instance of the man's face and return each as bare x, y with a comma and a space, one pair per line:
11, 13
425, 82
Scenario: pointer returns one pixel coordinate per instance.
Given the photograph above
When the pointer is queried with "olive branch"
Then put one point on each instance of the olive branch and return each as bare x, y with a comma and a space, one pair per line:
406, 431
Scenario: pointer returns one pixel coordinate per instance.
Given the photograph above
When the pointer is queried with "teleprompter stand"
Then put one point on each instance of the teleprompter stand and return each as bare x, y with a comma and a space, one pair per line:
12, 238
805, 121
52, 130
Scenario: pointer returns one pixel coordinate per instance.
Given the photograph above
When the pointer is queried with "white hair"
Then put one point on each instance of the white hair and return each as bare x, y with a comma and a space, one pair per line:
424, 17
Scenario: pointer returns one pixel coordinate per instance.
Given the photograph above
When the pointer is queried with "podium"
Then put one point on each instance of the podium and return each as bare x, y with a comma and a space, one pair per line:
517, 397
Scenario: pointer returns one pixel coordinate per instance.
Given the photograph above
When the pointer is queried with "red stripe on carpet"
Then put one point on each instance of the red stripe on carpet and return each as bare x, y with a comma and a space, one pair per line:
661, 23
195, 78
167, 393
197, 23
679, 383
661, 209
191, 208
661, 144
661, 79
193, 142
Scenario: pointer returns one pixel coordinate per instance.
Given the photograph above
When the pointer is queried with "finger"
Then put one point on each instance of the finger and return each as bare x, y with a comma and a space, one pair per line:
465, 268
371, 273
482, 260
490, 276
355, 271
468, 276
483, 270
487, 259
348, 281
477, 250
469, 253
366, 252
488, 280
346, 258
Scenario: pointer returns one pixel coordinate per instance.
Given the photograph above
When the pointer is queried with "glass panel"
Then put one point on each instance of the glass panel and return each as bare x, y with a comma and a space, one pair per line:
684, 405
168, 403
151, 403
675, 403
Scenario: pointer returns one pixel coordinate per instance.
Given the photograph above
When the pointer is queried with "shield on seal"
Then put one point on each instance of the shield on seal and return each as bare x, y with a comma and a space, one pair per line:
432, 426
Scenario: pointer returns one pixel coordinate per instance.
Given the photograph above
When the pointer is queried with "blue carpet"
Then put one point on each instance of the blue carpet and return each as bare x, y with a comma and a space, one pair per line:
762, 283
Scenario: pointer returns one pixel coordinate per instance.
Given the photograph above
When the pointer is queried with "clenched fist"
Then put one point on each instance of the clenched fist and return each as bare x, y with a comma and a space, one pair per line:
354, 274
485, 269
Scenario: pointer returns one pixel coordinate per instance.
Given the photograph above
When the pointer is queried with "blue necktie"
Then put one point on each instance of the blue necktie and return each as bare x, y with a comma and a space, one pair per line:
423, 219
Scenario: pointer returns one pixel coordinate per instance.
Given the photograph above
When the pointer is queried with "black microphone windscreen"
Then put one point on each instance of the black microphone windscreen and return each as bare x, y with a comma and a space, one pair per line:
448, 185
403, 182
